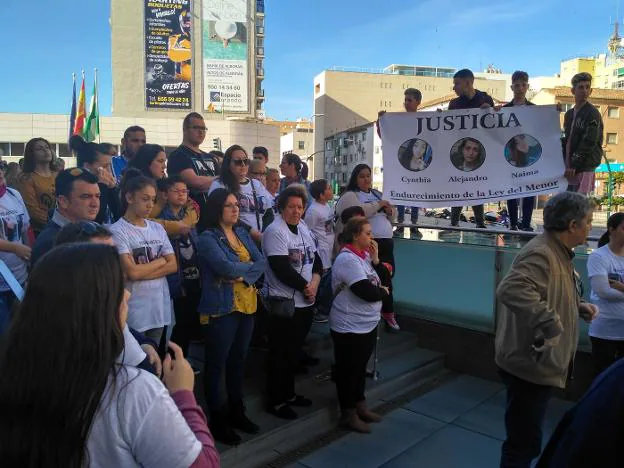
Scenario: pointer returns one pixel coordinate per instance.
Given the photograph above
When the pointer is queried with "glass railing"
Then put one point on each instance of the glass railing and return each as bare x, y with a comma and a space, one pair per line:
450, 274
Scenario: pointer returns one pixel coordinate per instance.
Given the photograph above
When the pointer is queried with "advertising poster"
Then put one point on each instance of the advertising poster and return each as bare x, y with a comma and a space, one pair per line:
225, 55
168, 54
473, 156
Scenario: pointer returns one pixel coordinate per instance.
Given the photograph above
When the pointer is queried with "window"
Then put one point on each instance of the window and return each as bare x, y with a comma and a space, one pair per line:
328, 145
376, 149
344, 177
301, 144
63, 151
17, 149
4, 149
364, 136
317, 89
350, 158
612, 139
614, 112
566, 107
259, 42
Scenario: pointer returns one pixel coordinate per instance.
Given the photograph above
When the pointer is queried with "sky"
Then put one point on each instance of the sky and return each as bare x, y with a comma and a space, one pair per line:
57, 37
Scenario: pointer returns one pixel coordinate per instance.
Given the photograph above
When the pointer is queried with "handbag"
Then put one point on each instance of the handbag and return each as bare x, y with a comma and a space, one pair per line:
281, 307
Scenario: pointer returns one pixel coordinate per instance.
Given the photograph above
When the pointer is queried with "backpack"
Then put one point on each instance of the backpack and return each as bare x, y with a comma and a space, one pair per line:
325, 295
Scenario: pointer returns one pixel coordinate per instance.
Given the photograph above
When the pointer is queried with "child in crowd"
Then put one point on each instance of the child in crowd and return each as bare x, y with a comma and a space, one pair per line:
184, 284
147, 257
319, 217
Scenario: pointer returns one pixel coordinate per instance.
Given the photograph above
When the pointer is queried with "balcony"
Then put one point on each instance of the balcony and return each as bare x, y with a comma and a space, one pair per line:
259, 51
259, 30
259, 72
260, 94
260, 7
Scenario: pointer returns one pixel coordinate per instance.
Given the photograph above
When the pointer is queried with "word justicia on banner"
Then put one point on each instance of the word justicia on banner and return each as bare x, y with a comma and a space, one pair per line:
463, 157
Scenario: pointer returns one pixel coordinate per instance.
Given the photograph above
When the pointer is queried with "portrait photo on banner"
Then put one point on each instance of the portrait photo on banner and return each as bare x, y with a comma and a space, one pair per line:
415, 155
523, 150
467, 154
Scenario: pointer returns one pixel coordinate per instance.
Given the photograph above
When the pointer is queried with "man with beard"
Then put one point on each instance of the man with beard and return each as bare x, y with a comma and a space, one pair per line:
134, 137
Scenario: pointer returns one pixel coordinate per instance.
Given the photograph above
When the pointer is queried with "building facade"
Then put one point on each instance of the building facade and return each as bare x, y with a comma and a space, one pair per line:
345, 98
221, 48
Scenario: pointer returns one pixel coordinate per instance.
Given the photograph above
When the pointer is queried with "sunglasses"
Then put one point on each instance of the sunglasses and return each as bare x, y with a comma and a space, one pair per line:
241, 162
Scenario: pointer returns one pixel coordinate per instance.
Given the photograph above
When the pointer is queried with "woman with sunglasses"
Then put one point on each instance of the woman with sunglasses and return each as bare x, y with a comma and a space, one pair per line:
37, 181
253, 197
230, 264
67, 397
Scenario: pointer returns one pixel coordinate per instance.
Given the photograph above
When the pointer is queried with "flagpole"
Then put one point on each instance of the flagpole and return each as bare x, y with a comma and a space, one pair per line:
97, 104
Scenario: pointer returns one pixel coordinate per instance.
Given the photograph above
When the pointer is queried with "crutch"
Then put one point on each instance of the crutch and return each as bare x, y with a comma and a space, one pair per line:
374, 374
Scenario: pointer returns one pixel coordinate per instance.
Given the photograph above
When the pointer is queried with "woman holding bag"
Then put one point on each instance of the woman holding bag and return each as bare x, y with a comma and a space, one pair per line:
230, 264
292, 280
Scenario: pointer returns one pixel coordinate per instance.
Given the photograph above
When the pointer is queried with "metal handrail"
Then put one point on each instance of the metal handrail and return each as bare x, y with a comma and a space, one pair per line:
489, 230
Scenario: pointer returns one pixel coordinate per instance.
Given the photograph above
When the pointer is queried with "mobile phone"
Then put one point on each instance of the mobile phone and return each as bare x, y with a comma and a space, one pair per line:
613, 277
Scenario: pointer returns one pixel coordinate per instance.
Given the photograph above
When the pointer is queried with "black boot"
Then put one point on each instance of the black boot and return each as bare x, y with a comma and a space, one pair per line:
239, 420
221, 429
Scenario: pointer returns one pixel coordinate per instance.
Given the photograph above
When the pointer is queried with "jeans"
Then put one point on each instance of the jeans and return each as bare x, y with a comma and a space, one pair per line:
6, 301
186, 315
351, 353
401, 214
478, 214
605, 353
227, 340
286, 336
527, 211
524, 418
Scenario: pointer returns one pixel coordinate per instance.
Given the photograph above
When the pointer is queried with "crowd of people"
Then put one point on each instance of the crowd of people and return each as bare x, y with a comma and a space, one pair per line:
217, 248
169, 250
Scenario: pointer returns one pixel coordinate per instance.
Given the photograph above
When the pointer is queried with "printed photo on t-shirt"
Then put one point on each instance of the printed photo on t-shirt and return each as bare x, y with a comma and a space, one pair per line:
328, 225
12, 226
145, 254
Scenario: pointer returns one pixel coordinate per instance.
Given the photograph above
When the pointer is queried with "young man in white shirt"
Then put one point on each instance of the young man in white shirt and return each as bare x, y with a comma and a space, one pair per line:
319, 217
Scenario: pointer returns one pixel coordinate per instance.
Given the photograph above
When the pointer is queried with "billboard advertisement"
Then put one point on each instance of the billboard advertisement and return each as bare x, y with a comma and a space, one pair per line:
225, 35
168, 54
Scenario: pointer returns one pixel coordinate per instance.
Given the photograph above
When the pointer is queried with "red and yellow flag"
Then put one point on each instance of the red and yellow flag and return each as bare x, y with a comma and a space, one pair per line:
82, 110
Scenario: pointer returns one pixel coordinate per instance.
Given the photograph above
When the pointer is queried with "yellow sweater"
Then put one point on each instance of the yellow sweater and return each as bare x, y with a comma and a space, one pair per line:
171, 227
39, 197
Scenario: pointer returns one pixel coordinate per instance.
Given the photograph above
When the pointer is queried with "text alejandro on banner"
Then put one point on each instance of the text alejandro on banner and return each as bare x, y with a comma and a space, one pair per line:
473, 156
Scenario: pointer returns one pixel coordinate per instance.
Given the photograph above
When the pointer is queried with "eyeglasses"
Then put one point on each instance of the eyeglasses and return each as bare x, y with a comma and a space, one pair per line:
232, 205
180, 191
197, 127
241, 162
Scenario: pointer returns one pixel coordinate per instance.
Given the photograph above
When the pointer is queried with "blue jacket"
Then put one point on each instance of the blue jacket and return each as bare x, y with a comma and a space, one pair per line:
218, 262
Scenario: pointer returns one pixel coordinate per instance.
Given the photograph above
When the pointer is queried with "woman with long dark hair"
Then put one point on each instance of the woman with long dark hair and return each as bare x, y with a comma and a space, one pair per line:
359, 192
253, 197
67, 399
230, 264
96, 159
294, 172
151, 160
37, 182
605, 267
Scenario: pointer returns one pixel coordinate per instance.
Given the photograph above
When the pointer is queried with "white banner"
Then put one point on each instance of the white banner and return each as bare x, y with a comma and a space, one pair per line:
472, 156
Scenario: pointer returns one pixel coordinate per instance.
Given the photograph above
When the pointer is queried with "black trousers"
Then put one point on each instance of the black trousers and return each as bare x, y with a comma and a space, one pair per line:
605, 353
524, 418
187, 317
286, 336
386, 255
478, 211
351, 353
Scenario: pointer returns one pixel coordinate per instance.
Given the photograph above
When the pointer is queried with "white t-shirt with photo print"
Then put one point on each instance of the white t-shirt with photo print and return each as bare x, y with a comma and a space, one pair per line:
349, 313
320, 219
150, 304
14, 223
248, 203
380, 224
279, 240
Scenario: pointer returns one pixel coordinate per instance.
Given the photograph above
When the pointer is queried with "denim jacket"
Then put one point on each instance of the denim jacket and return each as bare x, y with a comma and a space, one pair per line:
219, 263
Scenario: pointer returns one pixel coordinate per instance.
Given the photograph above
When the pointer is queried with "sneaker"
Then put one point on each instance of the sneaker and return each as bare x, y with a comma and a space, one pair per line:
299, 400
399, 230
320, 318
391, 322
283, 411
513, 227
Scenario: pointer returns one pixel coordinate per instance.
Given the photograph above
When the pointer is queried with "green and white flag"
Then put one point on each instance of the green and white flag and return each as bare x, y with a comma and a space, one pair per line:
91, 130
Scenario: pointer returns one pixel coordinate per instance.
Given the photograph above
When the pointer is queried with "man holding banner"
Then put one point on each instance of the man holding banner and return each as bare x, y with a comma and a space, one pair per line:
468, 98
